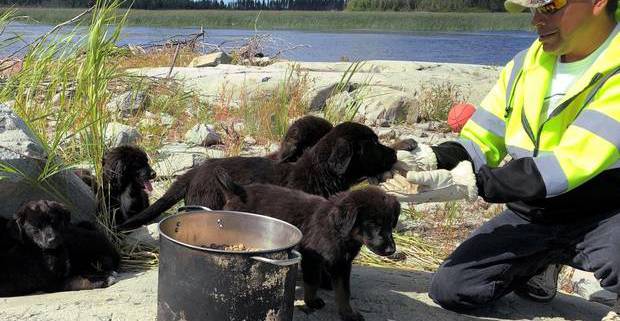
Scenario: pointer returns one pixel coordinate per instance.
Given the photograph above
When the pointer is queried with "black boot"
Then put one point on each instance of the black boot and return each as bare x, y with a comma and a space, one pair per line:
543, 286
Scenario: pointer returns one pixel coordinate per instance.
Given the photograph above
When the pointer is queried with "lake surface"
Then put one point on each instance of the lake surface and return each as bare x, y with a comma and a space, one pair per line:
489, 48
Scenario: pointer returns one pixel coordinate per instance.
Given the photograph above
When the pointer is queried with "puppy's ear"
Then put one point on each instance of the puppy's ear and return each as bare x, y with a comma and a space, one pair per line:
344, 219
62, 211
231, 189
396, 207
17, 225
288, 151
115, 171
340, 157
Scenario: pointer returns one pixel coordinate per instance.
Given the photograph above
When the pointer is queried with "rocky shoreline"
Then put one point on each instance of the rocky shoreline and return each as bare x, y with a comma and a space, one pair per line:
393, 93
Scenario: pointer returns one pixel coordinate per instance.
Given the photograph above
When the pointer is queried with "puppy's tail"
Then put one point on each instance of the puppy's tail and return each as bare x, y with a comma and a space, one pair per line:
231, 189
173, 195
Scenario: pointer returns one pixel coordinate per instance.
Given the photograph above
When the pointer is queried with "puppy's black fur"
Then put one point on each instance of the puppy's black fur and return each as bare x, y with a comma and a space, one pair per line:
303, 134
334, 229
37, 256
90, 251
37, 260
347, 154
126, 180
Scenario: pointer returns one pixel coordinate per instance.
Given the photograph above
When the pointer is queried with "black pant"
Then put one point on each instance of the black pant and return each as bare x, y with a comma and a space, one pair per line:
508, 250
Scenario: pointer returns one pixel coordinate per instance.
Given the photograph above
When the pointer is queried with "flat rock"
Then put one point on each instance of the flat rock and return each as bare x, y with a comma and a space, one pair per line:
379, 294
404, 78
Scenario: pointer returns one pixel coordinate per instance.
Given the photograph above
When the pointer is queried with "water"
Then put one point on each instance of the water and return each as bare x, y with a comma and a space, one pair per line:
488, 48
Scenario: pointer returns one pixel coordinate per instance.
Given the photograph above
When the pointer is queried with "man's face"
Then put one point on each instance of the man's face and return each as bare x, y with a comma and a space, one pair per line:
567, 30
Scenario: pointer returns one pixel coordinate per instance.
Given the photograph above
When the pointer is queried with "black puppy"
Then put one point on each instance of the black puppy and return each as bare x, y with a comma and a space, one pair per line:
347, 154
91, 253
126, 180
303, 134
37, 260
41, 255
334, 229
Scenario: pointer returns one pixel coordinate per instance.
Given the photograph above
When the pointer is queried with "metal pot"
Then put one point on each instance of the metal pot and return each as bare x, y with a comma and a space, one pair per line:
198, 283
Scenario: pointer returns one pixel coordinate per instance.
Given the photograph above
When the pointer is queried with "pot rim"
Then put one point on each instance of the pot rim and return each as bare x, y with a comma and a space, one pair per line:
204, 249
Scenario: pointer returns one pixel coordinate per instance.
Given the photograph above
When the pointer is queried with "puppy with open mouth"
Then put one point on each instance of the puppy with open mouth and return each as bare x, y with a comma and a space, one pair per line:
127, 179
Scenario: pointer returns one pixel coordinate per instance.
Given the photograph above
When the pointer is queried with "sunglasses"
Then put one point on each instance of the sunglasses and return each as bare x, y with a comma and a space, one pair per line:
550, 8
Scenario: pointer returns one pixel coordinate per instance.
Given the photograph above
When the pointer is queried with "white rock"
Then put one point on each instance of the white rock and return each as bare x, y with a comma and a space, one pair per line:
589, 288
117, 134
166, 119
146, 234
211, 60
128, 103
202, 135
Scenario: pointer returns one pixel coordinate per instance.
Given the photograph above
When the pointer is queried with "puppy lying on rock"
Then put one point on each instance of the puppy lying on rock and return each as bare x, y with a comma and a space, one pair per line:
37, 257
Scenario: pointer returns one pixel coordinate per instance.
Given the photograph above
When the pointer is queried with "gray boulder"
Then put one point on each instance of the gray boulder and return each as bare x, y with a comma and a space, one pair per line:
21, 151
203, 135
117, 134
129, 103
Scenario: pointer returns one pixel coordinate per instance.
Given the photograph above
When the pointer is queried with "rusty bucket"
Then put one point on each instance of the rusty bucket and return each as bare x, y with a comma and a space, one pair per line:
225, 265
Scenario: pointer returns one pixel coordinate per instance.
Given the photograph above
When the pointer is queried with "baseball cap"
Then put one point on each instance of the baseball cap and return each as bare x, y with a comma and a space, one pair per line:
515, 6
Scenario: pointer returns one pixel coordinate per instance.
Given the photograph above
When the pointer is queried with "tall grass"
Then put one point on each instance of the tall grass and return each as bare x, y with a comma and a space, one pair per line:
266, 114
344, 108
308, 20
435, 100
62, 89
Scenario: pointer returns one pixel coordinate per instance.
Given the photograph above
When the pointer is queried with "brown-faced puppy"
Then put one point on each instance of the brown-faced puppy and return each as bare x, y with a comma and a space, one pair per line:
126, 180
334, 230
39, 256
301, 135
37, 260
347, 154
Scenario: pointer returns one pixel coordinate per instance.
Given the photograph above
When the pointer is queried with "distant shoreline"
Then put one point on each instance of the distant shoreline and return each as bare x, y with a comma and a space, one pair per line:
370, 21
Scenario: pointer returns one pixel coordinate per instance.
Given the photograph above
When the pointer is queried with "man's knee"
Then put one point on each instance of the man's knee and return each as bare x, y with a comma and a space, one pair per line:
455, 289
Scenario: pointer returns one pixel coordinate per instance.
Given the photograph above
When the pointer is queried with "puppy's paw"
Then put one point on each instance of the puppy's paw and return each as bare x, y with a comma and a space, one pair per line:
111, 279
316, 303
351, 316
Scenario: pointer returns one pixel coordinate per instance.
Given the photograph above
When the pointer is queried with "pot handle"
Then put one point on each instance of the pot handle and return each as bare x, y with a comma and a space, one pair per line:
191, 208
287, 262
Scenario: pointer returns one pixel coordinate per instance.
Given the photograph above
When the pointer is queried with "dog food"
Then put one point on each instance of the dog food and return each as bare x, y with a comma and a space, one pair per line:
225, 247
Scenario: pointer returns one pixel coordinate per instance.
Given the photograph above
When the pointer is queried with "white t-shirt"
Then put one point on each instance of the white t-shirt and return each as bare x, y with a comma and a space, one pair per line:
566, 73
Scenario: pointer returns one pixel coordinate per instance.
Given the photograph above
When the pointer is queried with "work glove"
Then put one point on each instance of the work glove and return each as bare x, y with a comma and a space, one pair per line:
420, 159
436, 186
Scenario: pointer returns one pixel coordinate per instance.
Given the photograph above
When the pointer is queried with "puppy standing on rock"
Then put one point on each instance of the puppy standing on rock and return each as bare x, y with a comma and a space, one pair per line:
349, 153
334, 230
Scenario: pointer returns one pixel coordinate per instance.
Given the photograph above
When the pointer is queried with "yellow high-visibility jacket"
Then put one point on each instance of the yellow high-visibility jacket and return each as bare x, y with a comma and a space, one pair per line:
565, 164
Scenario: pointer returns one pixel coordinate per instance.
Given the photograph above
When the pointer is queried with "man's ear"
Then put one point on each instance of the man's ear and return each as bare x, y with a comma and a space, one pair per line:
340, 157
600, 7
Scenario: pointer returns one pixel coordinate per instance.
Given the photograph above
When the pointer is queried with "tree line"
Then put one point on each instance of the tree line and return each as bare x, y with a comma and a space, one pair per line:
393, 5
